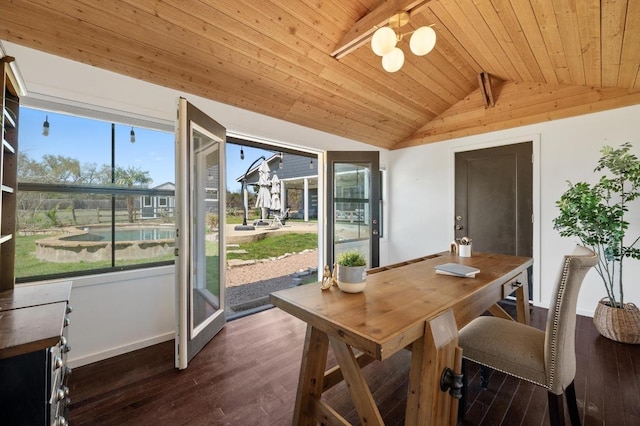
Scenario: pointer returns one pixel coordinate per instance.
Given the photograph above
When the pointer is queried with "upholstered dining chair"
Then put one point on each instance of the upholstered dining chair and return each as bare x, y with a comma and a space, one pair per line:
545, 358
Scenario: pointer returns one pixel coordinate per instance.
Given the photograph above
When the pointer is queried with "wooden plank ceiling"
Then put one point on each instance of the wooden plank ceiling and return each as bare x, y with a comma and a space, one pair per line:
546, 59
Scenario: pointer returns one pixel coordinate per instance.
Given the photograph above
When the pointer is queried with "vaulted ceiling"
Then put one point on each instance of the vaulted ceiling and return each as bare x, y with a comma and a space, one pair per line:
545, 59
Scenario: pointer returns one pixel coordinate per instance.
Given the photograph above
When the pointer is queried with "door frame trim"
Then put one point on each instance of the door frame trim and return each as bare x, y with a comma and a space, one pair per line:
194, 332
535, 140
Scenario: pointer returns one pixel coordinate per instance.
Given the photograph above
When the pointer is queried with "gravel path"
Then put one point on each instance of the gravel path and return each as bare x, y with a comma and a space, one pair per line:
263, 270
248, 286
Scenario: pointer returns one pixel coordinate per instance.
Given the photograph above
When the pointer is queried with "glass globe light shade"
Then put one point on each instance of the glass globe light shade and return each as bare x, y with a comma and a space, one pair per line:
383, 41
422, 41
393, 61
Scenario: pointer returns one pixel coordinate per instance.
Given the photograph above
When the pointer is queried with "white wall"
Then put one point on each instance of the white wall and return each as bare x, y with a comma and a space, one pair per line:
120, 312
421, 216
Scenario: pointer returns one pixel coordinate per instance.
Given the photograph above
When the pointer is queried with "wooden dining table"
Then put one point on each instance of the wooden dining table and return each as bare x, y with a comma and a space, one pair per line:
404, 306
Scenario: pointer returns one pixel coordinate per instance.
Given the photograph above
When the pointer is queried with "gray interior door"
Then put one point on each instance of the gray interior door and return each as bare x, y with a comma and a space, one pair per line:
494, 199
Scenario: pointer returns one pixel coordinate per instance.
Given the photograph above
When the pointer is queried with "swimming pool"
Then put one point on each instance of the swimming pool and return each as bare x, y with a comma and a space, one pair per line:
94, 243
126, 234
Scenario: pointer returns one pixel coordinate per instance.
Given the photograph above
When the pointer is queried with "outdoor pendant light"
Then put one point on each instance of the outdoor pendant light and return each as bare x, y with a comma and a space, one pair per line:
45, 126
132, 139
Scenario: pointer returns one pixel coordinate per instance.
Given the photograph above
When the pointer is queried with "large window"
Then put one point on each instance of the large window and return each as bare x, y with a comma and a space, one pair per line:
93, 196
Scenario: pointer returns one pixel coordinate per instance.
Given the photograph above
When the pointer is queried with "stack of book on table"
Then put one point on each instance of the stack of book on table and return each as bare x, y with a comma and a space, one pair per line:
457, 270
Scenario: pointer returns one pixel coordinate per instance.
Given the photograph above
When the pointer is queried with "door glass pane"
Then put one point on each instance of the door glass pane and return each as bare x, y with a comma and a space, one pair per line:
352, 215
205, 292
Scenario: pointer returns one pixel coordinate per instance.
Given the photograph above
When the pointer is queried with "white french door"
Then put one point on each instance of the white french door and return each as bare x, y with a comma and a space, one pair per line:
200, 255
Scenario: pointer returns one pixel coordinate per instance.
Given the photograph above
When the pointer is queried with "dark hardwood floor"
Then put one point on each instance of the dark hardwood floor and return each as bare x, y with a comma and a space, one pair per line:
247, 375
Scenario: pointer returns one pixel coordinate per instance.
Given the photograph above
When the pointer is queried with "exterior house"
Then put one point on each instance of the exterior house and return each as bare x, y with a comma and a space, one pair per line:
158, 206
298, 173
419, 177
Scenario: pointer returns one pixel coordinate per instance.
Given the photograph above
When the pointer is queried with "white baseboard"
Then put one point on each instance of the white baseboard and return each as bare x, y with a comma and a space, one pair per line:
88, 359
582, 312
586, 312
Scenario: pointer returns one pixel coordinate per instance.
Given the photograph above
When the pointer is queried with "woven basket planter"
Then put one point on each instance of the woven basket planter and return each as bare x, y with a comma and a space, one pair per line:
618, 324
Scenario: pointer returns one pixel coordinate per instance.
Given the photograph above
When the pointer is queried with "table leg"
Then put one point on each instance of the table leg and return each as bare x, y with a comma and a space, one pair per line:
360, 393
497, 311
314, 360
522, 301
455, 403
426, 403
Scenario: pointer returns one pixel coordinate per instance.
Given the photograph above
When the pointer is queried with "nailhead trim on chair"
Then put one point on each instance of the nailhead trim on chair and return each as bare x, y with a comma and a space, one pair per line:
508, 373
556, 314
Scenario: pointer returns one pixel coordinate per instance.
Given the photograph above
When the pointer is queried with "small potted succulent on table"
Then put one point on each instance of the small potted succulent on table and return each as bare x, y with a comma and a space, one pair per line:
351, 271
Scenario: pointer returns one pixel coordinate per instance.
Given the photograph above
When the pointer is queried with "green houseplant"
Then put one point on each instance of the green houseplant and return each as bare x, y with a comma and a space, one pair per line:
351, 271
595, 214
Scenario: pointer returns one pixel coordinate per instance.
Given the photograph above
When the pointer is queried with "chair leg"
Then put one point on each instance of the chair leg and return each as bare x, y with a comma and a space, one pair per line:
556, 409
484, 376
572, 404
462, 405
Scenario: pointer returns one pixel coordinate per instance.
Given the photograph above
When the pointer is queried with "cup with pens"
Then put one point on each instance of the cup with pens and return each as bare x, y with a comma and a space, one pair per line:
464, 246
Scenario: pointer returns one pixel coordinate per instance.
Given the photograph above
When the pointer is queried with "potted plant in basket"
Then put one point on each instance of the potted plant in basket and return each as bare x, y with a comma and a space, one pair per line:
351, 271
595, 214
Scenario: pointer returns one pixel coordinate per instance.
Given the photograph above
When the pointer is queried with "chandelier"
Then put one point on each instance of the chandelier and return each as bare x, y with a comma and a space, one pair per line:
384, 40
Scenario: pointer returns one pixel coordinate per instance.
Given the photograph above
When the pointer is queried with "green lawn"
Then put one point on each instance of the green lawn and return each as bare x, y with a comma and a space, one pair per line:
27, 265
276, 246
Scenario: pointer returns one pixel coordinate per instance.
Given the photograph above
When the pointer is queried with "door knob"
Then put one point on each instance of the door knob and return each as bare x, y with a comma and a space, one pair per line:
459, 227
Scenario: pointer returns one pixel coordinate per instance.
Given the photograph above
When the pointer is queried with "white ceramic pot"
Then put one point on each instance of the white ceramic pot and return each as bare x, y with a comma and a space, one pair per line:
352, 279
464, 250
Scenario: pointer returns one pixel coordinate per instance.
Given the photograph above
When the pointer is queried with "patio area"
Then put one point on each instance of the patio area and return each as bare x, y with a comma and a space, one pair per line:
249, 282
234, 236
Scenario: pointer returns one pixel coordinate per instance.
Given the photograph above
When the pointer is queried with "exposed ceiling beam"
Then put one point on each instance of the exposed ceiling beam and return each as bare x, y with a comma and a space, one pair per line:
484, 81
360, 33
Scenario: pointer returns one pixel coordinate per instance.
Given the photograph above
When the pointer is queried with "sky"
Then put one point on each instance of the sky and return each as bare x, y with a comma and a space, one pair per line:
237, 167
89, 141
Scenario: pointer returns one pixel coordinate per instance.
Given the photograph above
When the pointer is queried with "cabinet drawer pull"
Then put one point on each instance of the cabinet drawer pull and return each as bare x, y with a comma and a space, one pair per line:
58, 362
60, 394
61, 421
